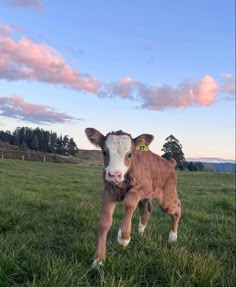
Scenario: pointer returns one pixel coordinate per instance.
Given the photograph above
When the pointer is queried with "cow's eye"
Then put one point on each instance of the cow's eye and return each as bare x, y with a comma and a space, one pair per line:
130, 155
104, 153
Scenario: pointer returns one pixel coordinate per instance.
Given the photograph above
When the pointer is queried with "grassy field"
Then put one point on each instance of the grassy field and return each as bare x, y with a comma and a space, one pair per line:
48, 225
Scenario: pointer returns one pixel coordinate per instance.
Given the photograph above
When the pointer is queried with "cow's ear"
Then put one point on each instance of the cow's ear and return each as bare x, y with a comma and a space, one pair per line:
95, 136
146, 138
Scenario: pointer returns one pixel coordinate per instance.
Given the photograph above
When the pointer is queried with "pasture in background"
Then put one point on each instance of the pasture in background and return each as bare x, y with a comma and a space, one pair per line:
48, 227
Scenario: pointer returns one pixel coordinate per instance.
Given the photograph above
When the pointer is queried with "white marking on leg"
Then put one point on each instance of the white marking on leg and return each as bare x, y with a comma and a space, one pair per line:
96, 263
122, 242
172, 236
141, 227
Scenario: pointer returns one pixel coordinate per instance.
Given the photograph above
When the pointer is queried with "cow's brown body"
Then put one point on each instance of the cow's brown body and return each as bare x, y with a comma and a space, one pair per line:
148, 177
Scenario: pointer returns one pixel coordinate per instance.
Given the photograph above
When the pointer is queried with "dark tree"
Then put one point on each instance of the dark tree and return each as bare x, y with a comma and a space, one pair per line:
195, 166
200, 166
29, 137
72, 147
52, 146
191, 166
173, 149
35, 141
6, 137
60, 145
16, 135
40, 140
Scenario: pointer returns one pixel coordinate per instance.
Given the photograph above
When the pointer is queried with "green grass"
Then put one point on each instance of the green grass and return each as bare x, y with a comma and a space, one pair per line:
48, 228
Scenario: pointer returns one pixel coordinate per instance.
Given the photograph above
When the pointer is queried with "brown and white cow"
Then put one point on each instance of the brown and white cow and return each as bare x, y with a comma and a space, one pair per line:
133, 176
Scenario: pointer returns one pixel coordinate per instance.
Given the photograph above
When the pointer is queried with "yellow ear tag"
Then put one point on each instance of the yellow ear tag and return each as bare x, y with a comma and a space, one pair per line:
142, 146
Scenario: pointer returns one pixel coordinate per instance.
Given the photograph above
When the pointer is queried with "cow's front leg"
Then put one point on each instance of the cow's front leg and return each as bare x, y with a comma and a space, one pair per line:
130, 203
105, 222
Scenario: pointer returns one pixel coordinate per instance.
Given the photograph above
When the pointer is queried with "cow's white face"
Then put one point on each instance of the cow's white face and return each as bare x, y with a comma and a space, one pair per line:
119, 150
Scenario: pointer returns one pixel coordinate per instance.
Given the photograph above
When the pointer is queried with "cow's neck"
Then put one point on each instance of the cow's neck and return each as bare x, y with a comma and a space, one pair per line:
118, 191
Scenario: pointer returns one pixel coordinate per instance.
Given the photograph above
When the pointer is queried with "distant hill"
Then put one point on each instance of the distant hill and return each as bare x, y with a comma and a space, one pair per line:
90, 156
223, 167
8, 151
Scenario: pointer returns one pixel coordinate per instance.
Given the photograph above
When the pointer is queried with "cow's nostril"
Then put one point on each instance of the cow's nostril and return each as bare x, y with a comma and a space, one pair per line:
114, 176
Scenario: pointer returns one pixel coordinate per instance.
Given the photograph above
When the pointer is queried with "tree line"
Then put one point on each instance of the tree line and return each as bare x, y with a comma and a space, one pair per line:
40, 140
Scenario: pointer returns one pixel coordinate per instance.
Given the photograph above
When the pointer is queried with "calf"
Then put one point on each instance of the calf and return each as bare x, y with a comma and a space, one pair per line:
133, 176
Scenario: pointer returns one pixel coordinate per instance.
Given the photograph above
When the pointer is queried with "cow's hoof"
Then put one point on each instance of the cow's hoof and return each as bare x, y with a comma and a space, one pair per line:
141, 227
97, 263
123, 242
172, 236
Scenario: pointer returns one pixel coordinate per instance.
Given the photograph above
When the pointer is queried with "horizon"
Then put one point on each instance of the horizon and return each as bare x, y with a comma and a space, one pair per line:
197, 159
164, 70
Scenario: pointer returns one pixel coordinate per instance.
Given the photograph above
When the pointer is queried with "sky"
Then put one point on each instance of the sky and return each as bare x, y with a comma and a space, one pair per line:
157, 67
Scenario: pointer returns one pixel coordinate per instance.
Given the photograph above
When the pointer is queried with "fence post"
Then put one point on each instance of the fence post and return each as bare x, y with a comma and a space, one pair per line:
44, 158
23, 157
2, 156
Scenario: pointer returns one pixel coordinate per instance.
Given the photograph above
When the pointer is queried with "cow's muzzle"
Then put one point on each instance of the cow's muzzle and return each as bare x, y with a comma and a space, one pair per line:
114, 176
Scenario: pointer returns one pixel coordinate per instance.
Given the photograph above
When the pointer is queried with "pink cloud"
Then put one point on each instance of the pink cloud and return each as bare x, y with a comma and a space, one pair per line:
205, 91
39, 62
5, 30
202, 93
16, 107
37, 4
228, 85
122, 88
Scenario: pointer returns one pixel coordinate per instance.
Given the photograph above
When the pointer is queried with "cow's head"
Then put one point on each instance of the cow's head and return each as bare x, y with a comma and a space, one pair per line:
118, 149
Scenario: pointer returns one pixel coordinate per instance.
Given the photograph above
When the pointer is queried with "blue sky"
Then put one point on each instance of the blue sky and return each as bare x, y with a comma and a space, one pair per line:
158, 67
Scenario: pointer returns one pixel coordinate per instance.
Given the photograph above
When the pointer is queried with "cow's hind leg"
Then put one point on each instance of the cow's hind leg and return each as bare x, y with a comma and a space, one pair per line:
175, 212
145, 209
176, 215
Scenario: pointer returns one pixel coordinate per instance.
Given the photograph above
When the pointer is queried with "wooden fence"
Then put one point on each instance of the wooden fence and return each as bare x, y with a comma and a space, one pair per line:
36, 156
